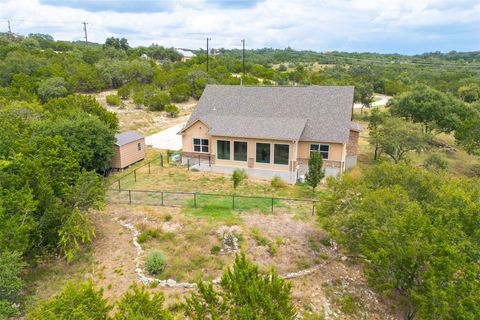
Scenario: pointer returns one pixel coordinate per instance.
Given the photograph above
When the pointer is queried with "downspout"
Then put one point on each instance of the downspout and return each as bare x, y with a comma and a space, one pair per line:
295, 142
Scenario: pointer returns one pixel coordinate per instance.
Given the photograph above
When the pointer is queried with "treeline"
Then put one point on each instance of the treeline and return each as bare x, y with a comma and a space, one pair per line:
50, 159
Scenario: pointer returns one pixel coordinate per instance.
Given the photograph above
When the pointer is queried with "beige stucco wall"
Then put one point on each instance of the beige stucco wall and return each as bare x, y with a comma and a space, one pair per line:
336, 152
197, 130
128, 154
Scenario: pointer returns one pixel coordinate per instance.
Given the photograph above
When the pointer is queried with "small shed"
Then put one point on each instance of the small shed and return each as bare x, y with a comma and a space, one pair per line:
129, 148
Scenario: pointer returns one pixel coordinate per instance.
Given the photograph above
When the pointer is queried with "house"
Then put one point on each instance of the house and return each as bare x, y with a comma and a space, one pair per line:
271, 130
129, 148
186, 54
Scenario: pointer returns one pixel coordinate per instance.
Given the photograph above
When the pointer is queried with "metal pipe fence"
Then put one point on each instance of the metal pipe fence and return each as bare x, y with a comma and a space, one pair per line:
205, 200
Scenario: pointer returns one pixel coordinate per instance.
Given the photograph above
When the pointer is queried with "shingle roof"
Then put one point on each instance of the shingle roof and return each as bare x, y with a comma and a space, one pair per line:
309, 113
127, 137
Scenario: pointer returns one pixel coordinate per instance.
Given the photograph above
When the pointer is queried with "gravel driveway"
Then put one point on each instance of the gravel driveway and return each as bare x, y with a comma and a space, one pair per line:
167, 139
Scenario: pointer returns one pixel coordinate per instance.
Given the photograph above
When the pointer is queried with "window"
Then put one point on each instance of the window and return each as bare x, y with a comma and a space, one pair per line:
240, 151
263, 153
200, 145
223, 149
139, 146
322, 148
280, 153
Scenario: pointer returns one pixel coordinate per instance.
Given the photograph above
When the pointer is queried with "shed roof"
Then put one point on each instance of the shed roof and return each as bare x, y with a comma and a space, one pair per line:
309, 113
127, 137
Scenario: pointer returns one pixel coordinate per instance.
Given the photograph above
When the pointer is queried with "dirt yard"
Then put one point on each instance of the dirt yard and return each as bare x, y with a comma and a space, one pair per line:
140, 119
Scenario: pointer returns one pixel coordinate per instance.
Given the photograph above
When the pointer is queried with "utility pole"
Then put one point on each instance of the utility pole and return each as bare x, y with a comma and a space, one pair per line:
243, 57
85, 31
208, 39
9, 28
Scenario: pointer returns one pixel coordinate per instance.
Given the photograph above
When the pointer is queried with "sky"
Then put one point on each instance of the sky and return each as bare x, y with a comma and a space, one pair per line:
384, 26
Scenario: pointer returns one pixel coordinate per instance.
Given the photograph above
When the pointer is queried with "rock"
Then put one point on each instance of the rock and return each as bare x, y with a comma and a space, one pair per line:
344, 258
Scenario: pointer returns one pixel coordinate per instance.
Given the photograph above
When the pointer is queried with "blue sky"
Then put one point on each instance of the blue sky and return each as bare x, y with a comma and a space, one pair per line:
387, 26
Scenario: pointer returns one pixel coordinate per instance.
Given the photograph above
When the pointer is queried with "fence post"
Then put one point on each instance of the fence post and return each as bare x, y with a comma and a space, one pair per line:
272, 204
233, 202
119, 185
149, 168
188, 164
161, 160
129, 196
168, 157
209, 160
199, 160
161, 196
135, 174
195, 200
313, 208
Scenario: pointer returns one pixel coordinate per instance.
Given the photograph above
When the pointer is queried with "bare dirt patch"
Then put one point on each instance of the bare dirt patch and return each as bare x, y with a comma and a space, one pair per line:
142, 120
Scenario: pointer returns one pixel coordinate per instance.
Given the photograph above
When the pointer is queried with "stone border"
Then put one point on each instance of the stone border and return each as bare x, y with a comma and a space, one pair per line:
174, 284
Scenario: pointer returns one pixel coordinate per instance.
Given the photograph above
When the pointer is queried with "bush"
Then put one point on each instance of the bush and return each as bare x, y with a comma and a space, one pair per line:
172, 110
113, 100
215, 249
278, 183
123, 92
148, 234
81, 301
238, 176
156, 261
11, 284
180, 92
138, 303
158, 101
435, 162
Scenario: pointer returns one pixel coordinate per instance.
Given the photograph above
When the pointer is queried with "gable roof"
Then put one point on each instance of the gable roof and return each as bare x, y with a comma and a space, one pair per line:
308, 113
127, 137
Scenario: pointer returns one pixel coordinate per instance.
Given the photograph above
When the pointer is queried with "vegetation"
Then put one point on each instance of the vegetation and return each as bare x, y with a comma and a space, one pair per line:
238, 176
155, 262
416, 231
315, 172
244, 293
113, 100
172, 110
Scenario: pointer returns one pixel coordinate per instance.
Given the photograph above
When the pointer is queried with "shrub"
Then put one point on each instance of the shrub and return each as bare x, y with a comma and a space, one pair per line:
11, 284
168, 217
123, 92
278, 183
435, 162
113, 100
180, 92
138, 303
148, 234
172, 110
282, 67
243, 293
76, 301
158, 101
474, 170
156, 261
238, 176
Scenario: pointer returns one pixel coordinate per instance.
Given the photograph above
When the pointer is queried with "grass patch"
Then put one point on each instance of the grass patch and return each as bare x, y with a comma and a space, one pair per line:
148, 234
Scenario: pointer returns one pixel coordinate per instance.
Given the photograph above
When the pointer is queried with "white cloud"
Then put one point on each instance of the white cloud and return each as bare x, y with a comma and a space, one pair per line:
374, 25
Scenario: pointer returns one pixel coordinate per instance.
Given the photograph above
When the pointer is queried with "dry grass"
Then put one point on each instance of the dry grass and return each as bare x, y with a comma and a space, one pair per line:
147, 122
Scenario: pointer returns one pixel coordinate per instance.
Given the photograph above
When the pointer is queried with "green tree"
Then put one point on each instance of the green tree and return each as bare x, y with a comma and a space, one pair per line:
417, 240
180, 92
76, 301
396, 138
364, 94
470, 92
123, 92
468, 135
139, 304
11, 284
315, 172
52, 88
244, 293
375, 119
158, 101
238, 176
430, 107
91, 139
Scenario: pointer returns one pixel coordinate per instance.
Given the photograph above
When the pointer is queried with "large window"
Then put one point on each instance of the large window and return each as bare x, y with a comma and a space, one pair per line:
200, 145
239, 151
223, 149
263, 153
280, 153
322, 148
